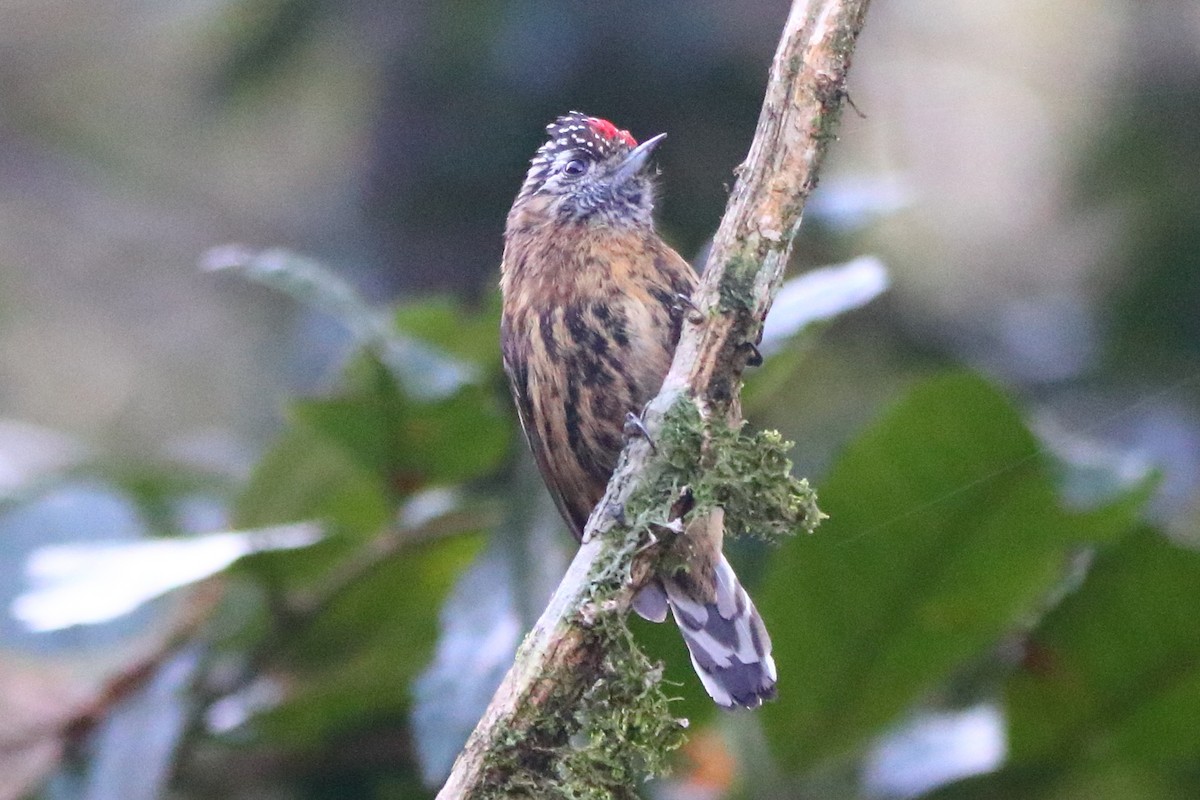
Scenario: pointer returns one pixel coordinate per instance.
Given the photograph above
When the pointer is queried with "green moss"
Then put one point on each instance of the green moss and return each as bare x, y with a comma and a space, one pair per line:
736, 289
611, 737
599, 745
749, 475
626, 729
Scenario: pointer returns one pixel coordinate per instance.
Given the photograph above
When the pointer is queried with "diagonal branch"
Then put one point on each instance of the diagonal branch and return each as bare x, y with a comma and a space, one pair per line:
563, 657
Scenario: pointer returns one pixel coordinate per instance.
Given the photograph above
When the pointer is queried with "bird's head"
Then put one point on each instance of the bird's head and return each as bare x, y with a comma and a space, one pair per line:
589, 170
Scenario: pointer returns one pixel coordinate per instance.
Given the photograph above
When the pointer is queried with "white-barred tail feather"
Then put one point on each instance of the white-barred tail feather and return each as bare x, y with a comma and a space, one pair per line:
727, 640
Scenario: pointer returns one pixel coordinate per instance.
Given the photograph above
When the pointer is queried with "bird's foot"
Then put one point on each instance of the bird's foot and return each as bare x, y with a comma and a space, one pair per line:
634, 427
753, 357
684, 302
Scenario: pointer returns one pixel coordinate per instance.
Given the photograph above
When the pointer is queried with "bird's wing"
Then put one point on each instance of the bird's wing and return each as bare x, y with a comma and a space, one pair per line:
517, 371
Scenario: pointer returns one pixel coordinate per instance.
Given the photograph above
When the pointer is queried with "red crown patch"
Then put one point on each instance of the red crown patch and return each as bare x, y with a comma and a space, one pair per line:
603, 127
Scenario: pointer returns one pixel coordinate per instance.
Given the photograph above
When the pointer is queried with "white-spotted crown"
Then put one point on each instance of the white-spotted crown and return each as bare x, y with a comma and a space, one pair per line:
580, 165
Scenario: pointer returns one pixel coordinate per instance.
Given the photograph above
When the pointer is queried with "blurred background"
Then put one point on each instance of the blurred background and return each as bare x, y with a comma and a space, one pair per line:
248, 347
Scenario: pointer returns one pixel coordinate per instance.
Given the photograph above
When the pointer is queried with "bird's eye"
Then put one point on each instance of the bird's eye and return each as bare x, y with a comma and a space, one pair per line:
574, 168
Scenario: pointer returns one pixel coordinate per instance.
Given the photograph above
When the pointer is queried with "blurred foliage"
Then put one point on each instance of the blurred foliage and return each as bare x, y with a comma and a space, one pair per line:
268, 34
352, 460
1113, 673
982, 549
1137, 169
962, 540
948, 537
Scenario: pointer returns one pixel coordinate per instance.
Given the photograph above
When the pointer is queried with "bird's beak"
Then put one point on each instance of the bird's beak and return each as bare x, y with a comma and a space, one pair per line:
637, 159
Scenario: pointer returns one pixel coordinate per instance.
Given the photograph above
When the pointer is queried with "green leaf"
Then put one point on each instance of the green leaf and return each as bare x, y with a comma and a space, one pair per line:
425, 372
305, 476
408, 444
1113, 781
1114, 671
472, 336
348, 460
944, 534
355, 663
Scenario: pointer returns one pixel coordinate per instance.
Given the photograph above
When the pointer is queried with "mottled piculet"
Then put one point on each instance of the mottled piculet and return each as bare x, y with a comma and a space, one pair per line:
591, 318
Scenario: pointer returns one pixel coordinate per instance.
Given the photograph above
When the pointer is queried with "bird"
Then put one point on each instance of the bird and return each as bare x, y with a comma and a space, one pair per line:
592, 307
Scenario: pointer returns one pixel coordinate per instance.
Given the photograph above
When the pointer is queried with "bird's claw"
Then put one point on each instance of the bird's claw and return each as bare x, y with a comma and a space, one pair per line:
684, 302
675, 526
635, 427
850, 102
753, 357
615, 510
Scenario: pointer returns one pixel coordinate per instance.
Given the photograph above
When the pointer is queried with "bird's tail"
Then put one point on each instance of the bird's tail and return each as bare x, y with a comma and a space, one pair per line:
727, 640
724, 633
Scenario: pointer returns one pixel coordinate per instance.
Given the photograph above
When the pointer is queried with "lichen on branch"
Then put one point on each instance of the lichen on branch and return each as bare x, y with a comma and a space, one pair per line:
749, 475
597, 744
713, 462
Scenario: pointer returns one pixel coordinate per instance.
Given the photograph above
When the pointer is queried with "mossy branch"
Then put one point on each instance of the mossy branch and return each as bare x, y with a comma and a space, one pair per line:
580, 713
